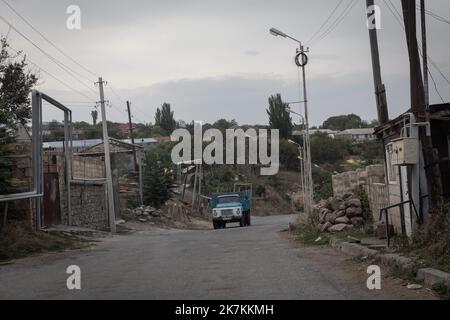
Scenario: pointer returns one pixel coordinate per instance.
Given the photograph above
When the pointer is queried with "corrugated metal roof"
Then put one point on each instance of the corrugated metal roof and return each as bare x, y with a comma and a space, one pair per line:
92, 142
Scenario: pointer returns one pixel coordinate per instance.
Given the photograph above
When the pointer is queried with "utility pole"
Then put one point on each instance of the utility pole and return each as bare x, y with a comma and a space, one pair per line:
109, 183
194, 190
425, 57
418, 107
132, 136
380, 91
309, 185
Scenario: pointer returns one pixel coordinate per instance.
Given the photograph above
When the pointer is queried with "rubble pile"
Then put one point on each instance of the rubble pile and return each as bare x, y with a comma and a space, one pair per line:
340, 213
147, 214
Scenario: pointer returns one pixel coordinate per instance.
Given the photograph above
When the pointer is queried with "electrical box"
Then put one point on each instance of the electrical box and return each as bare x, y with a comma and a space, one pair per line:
404, 151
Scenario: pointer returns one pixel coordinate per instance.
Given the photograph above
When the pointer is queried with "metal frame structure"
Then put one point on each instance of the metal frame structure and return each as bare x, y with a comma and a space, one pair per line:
37, 191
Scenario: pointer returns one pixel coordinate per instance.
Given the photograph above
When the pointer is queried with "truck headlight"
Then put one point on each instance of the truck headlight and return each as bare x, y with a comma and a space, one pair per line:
238, 211
215, 213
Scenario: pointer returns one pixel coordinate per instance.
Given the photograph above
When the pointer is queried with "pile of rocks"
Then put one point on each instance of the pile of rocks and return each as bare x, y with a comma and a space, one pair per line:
340, 213
146, 213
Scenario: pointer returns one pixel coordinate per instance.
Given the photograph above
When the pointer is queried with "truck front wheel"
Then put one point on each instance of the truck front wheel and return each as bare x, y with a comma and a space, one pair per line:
242, 222
247, 219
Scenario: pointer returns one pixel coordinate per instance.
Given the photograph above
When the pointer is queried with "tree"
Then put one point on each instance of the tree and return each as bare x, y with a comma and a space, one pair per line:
157, 179
56, 130
343, 122
289, 154
158, 117
223, 125
164, 119
15, 85
324, 149
94, 114
279, 117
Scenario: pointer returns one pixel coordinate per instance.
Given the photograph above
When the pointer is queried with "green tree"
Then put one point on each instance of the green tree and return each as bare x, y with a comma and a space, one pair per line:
164, 119
343, 122
325, 149
5, 161
158, 117
279, 117
157, 179
223, 125
15, 85
289, 154
94, 114
56, 130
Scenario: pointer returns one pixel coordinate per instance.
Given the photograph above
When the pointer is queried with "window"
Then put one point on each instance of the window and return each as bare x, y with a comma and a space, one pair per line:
228, 199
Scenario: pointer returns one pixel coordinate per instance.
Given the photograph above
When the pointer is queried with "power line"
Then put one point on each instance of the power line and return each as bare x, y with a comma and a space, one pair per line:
51, 75
339, 19
398, 17
326, 21
435, 16
64, 67
48, 40
124, 102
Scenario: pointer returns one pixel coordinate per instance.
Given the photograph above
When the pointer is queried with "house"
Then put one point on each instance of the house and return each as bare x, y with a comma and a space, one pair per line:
330, 133
122, 154
361, 134
406, 179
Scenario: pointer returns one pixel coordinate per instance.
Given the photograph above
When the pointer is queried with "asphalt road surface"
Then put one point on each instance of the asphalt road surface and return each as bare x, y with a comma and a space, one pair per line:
256, 262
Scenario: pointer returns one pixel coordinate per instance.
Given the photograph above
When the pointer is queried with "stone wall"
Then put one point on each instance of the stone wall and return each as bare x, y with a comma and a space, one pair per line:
89, 207
347, 181
88, 167
88, 199
371, 178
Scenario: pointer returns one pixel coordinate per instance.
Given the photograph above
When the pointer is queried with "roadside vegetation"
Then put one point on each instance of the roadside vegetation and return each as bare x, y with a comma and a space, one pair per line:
433, 252
17, 240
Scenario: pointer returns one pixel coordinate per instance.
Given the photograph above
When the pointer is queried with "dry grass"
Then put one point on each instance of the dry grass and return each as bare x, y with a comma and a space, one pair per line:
18, 240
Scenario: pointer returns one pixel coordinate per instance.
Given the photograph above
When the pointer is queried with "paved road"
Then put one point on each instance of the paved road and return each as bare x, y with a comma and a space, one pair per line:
237, 263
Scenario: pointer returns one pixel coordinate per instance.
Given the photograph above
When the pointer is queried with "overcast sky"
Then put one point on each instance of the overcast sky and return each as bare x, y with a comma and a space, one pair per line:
216, 59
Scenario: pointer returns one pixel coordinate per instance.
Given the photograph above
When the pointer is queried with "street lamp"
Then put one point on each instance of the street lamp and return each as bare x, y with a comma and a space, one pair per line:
301, 63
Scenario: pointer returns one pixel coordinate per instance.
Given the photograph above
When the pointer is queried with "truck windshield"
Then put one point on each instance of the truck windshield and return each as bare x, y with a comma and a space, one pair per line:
221, 200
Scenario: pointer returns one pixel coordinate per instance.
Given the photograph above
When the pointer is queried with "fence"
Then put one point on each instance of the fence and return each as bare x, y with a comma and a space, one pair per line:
378, 198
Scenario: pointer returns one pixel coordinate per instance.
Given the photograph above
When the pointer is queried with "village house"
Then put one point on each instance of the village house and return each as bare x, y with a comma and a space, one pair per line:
406, 180
360, 134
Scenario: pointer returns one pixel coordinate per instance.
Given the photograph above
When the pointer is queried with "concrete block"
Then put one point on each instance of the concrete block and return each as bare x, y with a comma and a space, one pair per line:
431, 276
395, 260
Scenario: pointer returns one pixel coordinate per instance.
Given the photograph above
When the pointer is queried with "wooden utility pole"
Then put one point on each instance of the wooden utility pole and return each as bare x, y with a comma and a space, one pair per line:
425, 56
132, 136
109, 184
380, 91
418, 107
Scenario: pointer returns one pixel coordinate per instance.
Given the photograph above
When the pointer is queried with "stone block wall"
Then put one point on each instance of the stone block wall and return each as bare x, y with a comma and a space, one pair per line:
89, 207
347, 181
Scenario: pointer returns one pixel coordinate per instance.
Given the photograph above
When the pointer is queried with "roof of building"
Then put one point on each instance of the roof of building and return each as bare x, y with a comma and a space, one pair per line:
438, 111
92, 142
357, 131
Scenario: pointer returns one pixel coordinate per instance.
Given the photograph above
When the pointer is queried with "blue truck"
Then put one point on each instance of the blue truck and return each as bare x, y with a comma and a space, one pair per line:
231, 207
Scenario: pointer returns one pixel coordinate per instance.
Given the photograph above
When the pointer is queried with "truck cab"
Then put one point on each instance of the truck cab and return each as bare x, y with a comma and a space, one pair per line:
231, 207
